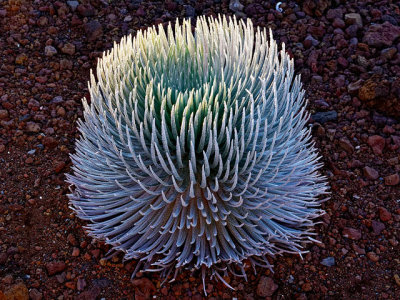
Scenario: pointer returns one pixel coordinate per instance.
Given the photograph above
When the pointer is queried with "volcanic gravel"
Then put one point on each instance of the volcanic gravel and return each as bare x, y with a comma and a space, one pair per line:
348, 55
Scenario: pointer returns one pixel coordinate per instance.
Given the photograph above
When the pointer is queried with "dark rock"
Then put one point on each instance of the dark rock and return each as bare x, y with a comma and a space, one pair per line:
390, 19
377, 227
354, 87
93, 30
379, 119
65, 64
393, 179
355, 163
61, 277
3, 258
377, 143
381, 94
358, 250
81, 284
68, 49
340, 80
190, 12
254, 9
144, 288
316, 7
351, 233
384, 214
50, 142
396, 140
55, 267
12, 250
3, 114
352, 30
21, 59
300, 14
381, 35
353, 18
338, 23
335, 13
388, 53
346, 145
343, 62
50, 51
363, 62
91, 294
58, 166
86, 10
32, 127
371, 173
17, 291
326, 116
72, 240
322, 103
102, 283
317, 31
171, 5
266, 287
34, 294
140, 12
310, 41
373, 256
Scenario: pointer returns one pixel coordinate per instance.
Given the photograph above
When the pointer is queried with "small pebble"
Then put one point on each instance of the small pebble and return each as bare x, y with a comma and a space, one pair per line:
329, 261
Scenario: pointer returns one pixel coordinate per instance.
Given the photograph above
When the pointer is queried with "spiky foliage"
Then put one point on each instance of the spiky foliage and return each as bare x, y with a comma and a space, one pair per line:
194, 152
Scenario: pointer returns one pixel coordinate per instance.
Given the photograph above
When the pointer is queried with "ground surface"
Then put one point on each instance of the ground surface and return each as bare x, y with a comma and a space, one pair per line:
348, 55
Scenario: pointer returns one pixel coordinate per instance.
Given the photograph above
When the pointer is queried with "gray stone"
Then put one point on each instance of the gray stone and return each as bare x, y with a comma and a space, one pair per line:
325, 116
328, 262
190, 12
50, 51
73, 4
353, 18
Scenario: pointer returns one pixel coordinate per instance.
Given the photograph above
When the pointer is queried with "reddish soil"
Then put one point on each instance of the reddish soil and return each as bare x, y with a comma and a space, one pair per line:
348, 55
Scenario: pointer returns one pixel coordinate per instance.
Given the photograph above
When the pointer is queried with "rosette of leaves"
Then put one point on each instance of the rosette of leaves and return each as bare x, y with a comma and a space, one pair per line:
193, 152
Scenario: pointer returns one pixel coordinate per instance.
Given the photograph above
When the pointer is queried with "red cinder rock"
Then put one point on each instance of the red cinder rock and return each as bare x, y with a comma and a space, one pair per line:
55, 267
93, 30
381, 35
384, 214
346, 145
393, 179
377, 144
144, 288
266, 287
372, 256
18, 291
86, 10
34, 294
373, 88
68, 49
3, 114
371, 173
351, 233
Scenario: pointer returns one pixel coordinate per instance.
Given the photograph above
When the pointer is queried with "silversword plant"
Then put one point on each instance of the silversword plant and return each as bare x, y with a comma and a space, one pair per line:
194, 152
